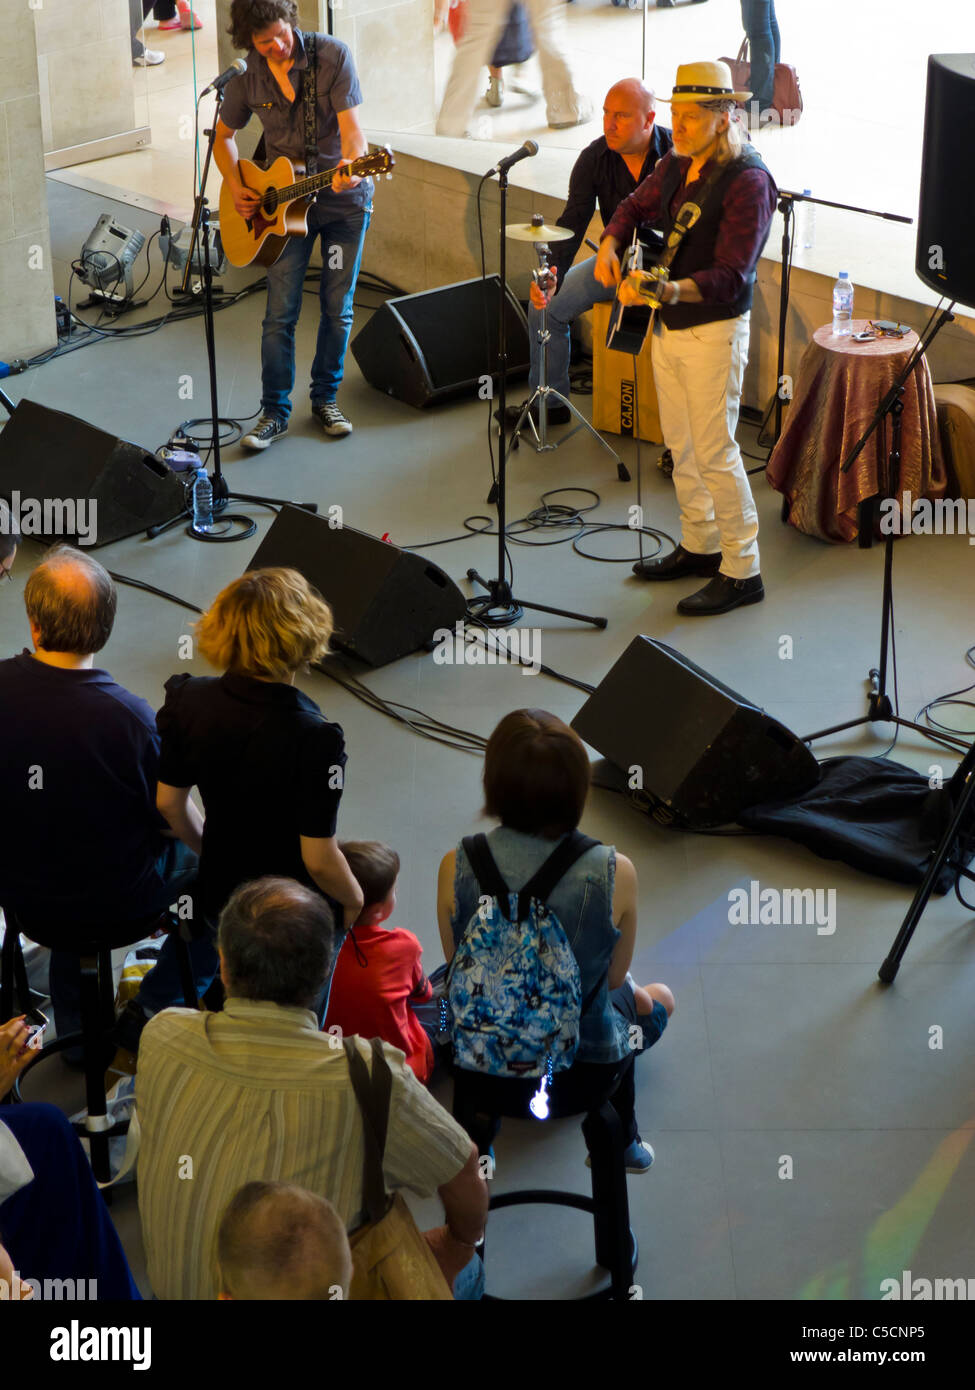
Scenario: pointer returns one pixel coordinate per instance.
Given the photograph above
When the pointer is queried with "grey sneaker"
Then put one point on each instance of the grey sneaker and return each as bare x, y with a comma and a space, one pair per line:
332, 420
265, 432
584, 114
495, 91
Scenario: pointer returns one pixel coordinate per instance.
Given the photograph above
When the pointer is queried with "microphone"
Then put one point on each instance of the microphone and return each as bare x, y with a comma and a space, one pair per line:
528, 149
237, 67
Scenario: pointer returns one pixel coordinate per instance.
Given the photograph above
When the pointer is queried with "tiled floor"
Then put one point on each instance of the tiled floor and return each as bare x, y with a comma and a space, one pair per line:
783, 1043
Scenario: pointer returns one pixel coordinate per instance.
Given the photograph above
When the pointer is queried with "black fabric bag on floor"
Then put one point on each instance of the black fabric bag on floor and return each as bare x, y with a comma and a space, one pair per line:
874, 814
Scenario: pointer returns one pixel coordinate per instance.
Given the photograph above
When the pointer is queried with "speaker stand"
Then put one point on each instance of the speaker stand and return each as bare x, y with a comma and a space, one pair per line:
965, 776
880, 708
542, 393
221, 494
498, 606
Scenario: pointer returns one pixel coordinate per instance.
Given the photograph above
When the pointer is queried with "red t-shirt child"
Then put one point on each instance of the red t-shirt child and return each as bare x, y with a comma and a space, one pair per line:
374, 999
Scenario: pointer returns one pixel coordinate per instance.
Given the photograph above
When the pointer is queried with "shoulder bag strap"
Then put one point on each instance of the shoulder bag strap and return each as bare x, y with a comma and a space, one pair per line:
310, 96
373, 1095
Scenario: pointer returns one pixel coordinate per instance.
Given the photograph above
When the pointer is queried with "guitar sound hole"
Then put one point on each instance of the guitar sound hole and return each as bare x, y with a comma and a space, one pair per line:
270, 202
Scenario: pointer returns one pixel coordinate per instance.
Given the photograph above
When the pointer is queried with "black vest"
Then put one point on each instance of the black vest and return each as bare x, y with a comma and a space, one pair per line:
696, 251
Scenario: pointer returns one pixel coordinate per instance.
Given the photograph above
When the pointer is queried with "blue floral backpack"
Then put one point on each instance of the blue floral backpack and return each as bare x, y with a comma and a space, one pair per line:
513, 990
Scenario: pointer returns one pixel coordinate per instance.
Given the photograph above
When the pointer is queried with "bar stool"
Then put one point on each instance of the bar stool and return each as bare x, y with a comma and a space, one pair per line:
481, 1101
93, 945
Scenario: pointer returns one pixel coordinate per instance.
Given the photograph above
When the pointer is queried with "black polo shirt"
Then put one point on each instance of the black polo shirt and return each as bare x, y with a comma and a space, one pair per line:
269, 768
601, 176
78, 761
256, 92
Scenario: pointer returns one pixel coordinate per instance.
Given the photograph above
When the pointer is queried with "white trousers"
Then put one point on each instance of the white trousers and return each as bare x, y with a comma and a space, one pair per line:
698, 374
485, 21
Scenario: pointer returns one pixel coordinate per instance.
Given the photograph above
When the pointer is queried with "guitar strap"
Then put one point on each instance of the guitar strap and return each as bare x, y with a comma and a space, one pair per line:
309, 92
687, 214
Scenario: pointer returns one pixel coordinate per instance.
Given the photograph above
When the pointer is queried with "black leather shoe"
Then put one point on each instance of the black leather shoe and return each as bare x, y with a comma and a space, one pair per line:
677, 564
557, 414
721, 595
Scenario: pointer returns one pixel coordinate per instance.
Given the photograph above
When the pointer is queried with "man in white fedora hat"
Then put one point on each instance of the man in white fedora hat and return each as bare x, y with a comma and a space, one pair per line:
700, 343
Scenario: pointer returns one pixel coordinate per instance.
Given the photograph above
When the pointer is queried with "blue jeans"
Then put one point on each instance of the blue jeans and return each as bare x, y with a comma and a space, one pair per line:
579, 291
342, 235
761, 26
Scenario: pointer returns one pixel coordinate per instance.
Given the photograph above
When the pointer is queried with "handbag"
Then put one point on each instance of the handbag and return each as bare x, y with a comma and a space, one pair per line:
390, 1258
786, 96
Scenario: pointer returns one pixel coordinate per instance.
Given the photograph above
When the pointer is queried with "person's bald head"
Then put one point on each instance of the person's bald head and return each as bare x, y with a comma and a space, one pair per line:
279, 1241
628, 116
71, 602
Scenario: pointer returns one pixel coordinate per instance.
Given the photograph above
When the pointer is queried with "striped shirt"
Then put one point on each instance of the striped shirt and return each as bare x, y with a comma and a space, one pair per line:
257, 1092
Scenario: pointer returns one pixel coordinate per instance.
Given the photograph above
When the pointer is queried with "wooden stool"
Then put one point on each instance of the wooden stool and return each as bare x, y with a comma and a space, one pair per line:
613, 393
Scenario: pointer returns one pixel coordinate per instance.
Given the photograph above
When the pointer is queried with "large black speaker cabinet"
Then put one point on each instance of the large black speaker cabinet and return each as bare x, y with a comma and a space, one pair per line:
693, 752
89, 486
425, 348
386, 602
945, 239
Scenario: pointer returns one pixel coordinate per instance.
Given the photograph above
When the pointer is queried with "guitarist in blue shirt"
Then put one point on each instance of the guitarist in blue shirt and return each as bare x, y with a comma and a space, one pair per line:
606, 172
274, 88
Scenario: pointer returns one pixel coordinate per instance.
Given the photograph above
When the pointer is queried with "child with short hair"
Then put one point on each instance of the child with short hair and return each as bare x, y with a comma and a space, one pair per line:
378, 974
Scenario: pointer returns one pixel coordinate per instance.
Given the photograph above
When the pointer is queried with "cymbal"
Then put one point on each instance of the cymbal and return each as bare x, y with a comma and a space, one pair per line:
531, 231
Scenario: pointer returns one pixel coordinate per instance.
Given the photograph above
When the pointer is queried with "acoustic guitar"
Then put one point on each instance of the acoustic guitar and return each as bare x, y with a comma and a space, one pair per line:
283, 210
630, 324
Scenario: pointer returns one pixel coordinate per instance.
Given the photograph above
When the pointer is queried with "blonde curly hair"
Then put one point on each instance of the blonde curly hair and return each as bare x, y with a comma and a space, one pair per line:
268, 623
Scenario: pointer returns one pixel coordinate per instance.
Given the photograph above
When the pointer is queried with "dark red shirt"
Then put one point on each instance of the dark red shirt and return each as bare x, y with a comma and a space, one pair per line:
746, 211
374, 999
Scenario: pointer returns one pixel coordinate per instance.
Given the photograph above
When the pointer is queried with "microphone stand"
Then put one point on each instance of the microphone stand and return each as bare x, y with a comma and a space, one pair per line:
221, 494
880, 708
787, 197
499, 607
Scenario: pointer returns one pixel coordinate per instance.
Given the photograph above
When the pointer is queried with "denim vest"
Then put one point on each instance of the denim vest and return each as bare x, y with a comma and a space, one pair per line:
582, 900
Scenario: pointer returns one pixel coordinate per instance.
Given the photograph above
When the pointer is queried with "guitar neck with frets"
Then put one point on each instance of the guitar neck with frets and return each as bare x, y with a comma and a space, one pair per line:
283, 210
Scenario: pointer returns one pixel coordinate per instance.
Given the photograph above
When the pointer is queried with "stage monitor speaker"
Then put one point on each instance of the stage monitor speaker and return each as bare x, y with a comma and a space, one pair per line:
945, 257
692, 752
386, 602
70, 481
429, 347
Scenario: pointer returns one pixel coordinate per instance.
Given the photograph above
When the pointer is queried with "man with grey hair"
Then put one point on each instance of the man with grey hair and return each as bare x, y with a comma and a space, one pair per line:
258, 1092
700, 337
606, 172
83, 843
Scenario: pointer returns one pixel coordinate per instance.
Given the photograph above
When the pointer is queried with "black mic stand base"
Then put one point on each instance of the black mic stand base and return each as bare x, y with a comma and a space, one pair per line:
500, 607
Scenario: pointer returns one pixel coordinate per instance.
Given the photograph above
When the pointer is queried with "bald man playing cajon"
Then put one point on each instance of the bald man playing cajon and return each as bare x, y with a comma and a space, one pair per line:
606, 172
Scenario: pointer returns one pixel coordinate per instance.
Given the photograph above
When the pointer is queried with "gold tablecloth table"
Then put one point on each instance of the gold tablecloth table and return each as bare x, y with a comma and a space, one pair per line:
840, 385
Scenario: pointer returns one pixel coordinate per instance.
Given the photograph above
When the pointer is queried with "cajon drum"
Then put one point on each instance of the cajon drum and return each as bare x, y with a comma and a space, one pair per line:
613, 395
956, 424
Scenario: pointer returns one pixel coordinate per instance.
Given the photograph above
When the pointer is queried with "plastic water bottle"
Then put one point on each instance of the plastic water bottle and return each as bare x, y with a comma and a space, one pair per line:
807, 222
843, 306
202, 502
